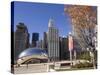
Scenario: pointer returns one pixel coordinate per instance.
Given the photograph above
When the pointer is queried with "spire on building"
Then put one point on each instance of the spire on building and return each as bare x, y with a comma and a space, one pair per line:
51, 23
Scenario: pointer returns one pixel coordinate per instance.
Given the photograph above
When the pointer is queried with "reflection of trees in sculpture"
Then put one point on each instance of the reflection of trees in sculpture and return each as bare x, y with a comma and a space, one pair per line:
84, 21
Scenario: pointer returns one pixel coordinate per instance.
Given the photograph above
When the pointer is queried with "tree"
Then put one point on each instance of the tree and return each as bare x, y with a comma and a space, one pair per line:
84, 20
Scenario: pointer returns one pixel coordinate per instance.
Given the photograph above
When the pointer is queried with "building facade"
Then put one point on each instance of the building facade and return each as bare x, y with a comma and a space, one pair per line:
53, 41
40, 44
35, 38
21, 39
63, 44
45, 44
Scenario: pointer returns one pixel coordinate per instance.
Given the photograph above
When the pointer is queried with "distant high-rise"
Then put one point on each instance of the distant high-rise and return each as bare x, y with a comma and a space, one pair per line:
40, 44
35, 38
21, 39
64, 52
45, 41
53, 41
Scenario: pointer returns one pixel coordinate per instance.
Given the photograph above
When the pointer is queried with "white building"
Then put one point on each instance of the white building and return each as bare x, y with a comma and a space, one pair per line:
53, 41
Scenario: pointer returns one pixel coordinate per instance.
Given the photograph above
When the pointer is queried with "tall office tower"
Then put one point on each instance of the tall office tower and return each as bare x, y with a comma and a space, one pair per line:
28, 43
21, 39
45, 41
63, 44
35, 38
53, 41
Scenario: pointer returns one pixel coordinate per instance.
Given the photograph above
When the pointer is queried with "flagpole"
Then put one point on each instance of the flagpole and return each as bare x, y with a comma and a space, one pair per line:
71, 58
70, 48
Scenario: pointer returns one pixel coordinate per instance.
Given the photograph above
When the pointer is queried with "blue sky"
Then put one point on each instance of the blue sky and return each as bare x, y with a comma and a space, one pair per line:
36, 16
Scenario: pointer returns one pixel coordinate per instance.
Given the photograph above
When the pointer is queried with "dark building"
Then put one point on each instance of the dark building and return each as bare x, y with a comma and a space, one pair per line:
21, 39
45, 41
35, 38
64, 52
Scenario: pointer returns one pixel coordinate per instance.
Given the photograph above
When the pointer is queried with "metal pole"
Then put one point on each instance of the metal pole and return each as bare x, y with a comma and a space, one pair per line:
71, 58
48, 65
70, 39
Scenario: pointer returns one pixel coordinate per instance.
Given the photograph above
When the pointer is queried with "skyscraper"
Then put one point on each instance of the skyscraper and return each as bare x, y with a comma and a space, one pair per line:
35, 38
21, 39
45, 41
53, 41
64, 52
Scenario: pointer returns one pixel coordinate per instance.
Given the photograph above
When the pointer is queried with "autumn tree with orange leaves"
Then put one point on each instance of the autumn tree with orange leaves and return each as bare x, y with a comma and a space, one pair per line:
84, 21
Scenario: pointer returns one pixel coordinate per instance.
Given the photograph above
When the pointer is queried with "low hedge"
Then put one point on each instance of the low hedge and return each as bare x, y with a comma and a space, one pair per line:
83, 65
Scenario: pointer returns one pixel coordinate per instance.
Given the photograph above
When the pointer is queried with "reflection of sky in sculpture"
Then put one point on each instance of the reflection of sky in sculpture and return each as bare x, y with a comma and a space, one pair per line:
32, 51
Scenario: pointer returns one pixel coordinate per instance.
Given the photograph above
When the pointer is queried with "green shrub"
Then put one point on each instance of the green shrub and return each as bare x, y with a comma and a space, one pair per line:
83, 65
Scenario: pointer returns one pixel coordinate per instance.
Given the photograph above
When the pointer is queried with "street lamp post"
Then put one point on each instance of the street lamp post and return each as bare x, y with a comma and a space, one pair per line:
70, 39
71, 58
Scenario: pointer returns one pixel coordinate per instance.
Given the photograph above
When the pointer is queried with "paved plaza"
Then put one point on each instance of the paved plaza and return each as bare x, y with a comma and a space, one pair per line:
42, 67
